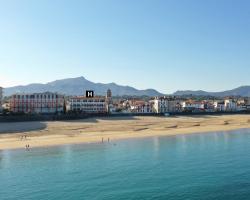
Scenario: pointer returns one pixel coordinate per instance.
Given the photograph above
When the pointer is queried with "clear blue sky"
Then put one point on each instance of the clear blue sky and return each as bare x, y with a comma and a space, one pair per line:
167, 45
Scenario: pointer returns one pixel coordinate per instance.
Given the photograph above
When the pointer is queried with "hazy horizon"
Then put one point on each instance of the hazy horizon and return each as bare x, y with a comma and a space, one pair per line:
164, 45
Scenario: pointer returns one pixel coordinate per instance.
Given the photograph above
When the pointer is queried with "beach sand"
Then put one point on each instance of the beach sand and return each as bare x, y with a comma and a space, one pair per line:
93, 130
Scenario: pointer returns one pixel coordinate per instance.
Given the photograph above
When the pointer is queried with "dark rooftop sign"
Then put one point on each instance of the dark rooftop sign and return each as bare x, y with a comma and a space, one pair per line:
89, 93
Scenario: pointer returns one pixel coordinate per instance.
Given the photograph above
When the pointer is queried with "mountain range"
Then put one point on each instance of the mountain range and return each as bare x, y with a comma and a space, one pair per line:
77, 86
243, 91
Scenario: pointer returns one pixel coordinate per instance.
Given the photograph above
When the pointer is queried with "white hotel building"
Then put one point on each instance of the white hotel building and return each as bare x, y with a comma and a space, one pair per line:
37, 103
91, 105
96, 105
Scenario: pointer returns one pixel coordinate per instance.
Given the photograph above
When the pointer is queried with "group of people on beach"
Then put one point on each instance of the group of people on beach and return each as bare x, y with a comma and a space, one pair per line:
23, 137
108, 141
27, 147
103, 140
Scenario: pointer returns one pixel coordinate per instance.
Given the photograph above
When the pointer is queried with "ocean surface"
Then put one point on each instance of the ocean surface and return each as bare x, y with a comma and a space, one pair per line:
198, 166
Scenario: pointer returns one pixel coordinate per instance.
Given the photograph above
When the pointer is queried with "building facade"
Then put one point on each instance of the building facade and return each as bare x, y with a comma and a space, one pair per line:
141, 107
230, 105
88, 105
91, 105
166, 104
193, 105
37, 103
219, 106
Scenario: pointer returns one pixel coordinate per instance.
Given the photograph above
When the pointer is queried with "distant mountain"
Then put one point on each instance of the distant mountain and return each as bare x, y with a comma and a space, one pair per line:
77, 86
243, 91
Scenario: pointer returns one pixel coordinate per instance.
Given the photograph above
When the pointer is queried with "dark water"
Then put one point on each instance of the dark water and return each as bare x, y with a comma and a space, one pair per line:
198, 166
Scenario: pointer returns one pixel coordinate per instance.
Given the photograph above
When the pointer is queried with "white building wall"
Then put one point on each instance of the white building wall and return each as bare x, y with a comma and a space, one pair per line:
219, 106
230, 105
88, 105
146, 108
160, 105
165, 105
193, 105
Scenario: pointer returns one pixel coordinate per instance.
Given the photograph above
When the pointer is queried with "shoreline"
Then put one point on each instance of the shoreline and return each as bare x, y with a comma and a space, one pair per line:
47, 134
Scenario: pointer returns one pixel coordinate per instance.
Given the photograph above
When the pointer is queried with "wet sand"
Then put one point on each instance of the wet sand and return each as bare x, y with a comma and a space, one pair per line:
43, 134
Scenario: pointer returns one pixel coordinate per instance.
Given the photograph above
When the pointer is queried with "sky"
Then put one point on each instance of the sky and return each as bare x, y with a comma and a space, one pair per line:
167, 45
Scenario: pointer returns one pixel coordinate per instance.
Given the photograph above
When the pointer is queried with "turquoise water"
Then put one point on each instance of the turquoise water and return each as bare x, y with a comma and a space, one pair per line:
198, 166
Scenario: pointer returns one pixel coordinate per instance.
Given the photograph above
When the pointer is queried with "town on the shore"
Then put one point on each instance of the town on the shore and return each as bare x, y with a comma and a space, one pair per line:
88, 103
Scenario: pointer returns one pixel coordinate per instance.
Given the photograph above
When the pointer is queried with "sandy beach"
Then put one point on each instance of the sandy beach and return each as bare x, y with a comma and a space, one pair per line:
43, 134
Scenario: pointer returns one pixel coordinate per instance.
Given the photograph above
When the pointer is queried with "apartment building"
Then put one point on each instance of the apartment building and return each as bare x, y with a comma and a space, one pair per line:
141, 107
166, 104
43, 103
230, 105
219, 106
193, 105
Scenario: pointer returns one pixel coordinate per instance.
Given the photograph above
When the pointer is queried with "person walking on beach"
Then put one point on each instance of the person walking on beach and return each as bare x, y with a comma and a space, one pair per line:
108, 140
27, 146
102, 140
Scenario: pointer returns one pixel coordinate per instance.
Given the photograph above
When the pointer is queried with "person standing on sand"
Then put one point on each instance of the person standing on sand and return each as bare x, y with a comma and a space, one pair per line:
27, 146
